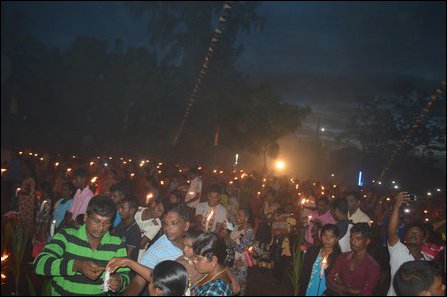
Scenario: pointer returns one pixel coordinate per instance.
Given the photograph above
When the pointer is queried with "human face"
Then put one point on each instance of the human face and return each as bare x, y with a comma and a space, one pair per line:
65, 192
241, 217
359, 242
174, 226
437, 288
125, 211
153, 290
173, 199
337, 214
97, 225
414, 236
329, 239
322, 207
188, 252
157, 210
79, 182
203, 265
213, 199
353, 204
117, 197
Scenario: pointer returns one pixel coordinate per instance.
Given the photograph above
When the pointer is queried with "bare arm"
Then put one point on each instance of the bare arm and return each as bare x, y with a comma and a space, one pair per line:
393, 238
235, 287
135, 287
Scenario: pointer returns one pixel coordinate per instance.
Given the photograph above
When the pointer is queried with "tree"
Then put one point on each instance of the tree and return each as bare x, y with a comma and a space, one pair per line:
383, 121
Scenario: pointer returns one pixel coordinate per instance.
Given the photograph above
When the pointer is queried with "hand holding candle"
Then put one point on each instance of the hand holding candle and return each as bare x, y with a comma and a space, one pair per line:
52, 228
323, 267
208, 219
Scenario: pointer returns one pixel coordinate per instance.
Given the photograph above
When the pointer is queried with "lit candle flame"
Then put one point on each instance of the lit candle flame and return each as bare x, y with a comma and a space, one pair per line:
56, 164
92, 163
210, 216
93, 180
215, 171
199, 168
132, 175
3, 276
250, 249
149, 196
4, 170
68, 170
162, 183
20, 153
4, 257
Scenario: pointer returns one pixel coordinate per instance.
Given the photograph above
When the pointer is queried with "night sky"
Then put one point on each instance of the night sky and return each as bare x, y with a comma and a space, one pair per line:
324, 54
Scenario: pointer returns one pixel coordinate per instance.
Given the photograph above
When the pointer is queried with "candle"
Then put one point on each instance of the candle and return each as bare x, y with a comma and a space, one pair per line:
52, 227
149, 197
323, 267
248, 258
208, 219
309, 218
105, 285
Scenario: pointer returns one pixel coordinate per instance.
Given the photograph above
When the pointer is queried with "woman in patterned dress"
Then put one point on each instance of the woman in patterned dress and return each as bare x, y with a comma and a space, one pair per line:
241, 238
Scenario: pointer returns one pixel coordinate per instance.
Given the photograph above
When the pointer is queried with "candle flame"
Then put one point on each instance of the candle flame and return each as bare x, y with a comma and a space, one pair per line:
132, 174
162, 183
56, 164
325, 260
3, 276
4, 170
92, 163
210, 216
250, 249
5, 256
93, 180
68, 170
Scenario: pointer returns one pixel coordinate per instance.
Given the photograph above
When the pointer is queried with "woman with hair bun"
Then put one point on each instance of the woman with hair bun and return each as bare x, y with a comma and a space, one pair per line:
211, 257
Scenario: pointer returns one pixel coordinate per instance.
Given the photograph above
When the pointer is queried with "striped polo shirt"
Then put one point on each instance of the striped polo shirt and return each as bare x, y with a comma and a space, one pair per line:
58, 256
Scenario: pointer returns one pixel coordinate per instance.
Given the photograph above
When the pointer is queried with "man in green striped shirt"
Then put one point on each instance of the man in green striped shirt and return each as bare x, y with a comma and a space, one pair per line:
76, 258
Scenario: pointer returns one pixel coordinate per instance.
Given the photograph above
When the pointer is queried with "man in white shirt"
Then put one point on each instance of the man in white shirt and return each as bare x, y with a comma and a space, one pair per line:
414, 238
193, 195
355, 214
211, 214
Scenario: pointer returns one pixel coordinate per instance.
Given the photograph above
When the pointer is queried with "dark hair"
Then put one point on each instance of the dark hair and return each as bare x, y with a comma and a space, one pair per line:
364, 229
210, 244
119, 187
171, 278
102, 205
131, 202
354, 194
193, 233
330, 227
416, 225
215, 188
71, 188
80, 172
178, 194
183, 212
324, 199
414, 277
341, 204
247, 212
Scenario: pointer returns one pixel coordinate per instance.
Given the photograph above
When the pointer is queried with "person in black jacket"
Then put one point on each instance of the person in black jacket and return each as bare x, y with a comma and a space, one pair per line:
313, 282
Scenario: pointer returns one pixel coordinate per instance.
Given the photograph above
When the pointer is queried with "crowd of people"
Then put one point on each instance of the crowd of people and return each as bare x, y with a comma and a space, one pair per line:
125, 227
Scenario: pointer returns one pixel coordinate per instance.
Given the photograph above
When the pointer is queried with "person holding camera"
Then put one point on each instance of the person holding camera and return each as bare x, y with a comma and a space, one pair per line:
414, 238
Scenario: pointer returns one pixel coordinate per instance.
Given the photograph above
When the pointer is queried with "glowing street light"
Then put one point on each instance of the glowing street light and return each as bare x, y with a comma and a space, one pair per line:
280, 165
